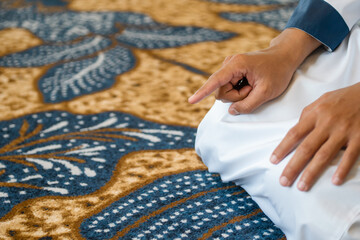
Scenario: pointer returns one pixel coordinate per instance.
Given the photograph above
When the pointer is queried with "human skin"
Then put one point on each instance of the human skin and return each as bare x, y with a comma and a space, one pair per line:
268, 72
324, 127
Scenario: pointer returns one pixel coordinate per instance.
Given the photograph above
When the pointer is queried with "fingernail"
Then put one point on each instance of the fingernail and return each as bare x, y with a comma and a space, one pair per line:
336, 180
273, 159
190, 98
233, 111
302, 186
284, 181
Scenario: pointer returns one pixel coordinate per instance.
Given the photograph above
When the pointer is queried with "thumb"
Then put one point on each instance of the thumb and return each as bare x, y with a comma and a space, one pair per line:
255, 99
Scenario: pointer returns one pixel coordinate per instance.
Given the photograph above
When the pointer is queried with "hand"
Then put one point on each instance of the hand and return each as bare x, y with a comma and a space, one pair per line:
325, 127
268, 72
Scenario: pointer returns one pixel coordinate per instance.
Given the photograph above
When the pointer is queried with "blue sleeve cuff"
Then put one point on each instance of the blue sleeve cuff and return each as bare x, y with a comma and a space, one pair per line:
319, 19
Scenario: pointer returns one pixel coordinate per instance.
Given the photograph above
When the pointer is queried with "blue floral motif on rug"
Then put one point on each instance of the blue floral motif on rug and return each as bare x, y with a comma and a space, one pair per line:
72, 77
190, 205
58, 153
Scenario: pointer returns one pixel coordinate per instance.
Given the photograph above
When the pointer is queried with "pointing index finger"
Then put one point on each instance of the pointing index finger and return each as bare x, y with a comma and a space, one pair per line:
209, 86
215, 81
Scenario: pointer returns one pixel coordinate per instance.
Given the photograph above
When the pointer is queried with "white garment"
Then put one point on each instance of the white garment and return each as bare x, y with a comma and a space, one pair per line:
239, 148
348, 9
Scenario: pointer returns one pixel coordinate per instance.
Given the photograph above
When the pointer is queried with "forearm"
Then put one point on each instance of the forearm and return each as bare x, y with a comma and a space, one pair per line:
294, 45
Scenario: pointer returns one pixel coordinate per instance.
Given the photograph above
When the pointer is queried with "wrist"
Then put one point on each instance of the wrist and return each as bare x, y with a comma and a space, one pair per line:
294, 45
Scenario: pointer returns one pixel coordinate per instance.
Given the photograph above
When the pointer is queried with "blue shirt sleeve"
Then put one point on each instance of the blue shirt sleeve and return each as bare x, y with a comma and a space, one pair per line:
320, 20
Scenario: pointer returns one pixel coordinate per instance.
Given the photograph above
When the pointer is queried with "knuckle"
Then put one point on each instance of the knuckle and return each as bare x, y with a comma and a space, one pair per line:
323, 98
305, 150
352, 154
326, 95
356, 139
264, 90
238, 58
323, 108
322, 157
246, 107
320, 108
293, 133
306, 110
292, 171
329, 118
207, 92
343, 127
309, 174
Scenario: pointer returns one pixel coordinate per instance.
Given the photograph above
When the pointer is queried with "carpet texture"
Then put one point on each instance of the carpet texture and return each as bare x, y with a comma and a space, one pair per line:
96, 135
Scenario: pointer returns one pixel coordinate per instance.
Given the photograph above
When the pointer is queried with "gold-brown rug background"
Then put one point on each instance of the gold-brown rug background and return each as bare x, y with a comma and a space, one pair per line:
155, 90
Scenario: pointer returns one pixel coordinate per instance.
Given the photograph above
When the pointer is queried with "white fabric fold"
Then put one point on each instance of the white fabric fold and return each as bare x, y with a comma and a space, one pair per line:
239, 148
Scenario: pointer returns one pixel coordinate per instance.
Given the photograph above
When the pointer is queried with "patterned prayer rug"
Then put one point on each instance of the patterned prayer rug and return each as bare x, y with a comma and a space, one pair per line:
96, 135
